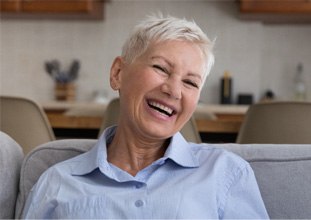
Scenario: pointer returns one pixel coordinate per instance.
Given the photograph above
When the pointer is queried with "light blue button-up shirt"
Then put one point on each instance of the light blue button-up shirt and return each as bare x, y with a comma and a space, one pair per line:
189, 181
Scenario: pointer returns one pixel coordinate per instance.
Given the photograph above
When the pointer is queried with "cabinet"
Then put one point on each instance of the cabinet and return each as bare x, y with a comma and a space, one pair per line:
276, 10
83, 9
9, 6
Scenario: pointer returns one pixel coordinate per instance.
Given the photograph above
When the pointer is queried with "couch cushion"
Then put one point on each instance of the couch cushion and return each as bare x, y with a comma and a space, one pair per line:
43, 157
11, 157
283, 174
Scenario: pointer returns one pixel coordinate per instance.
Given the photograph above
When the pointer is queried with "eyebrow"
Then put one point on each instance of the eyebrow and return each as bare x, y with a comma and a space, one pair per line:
163, 58
172, 65
195, 75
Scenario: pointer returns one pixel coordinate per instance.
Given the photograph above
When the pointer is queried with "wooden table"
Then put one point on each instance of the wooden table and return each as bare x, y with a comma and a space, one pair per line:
88, 115
75, 115
228, 118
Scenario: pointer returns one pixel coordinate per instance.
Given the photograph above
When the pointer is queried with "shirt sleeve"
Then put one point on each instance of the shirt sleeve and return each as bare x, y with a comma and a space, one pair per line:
41, 201
244, 200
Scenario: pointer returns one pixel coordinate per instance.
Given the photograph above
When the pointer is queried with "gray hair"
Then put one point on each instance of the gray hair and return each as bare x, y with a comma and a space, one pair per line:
159, 29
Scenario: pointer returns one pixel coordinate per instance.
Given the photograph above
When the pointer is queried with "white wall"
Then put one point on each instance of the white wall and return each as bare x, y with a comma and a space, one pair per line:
258, 56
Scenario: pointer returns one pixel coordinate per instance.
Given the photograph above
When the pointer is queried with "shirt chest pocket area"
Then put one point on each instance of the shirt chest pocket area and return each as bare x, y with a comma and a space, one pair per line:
88, 207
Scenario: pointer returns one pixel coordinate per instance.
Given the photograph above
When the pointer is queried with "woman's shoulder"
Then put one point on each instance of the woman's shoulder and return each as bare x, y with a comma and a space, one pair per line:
219, 155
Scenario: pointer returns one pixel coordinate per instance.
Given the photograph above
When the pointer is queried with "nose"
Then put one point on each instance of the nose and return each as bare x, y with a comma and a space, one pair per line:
172, 87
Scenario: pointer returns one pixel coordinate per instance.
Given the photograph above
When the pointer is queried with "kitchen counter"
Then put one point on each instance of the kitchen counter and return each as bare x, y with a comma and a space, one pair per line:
89, 115
87, 108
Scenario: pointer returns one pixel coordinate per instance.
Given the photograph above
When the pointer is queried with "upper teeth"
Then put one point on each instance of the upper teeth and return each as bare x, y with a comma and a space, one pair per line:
162, 107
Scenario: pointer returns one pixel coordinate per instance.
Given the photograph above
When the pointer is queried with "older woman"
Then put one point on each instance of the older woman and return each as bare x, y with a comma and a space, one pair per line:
143, 167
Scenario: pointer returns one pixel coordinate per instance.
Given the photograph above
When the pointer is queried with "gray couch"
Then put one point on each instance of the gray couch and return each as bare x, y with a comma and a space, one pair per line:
283, 173
11, 157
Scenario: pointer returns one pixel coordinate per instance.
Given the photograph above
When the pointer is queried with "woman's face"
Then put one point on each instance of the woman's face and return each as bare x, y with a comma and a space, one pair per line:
159, 90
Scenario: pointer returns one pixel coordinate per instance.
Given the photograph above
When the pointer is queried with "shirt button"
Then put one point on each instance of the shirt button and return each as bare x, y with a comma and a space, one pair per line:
139, 203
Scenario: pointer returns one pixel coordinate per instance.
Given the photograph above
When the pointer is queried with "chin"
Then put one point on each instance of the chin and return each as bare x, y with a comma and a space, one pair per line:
159, 133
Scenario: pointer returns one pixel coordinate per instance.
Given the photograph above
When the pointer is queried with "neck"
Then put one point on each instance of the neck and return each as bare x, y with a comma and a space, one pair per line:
132, 154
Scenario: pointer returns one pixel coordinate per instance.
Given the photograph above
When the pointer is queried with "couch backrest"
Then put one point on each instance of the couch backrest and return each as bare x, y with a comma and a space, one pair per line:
283, 172
11, 157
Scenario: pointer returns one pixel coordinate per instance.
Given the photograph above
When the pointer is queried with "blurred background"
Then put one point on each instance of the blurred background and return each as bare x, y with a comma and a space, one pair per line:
260, 55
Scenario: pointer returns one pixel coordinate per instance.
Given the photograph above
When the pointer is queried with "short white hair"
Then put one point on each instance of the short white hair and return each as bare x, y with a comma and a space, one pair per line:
159, 29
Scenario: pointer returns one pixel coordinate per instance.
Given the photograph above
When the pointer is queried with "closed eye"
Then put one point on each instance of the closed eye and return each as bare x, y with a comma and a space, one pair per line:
191, 83
158, 67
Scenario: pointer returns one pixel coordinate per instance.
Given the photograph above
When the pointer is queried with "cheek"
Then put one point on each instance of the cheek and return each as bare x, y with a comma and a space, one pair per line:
191, 100
145, 81
135, 75
137, 84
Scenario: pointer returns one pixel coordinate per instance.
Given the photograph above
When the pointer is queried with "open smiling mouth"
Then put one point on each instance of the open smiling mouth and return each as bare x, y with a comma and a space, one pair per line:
161, 108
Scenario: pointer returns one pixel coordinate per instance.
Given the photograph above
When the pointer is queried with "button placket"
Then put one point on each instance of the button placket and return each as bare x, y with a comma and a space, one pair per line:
139, 188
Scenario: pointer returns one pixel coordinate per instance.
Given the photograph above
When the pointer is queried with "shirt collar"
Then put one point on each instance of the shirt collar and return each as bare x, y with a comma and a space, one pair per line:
179, 151
96, 157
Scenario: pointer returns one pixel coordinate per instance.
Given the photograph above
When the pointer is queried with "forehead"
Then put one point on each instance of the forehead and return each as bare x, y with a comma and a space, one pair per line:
177, 48
174, 44
177, 52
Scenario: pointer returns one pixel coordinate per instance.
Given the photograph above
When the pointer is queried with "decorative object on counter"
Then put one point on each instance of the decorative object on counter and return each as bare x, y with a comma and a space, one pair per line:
268, 96
65, 91
300, 90
101, 96
226, 89
65, 88
245, 99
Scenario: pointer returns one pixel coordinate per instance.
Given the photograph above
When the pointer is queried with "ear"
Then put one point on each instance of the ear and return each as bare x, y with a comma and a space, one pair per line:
115, 73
